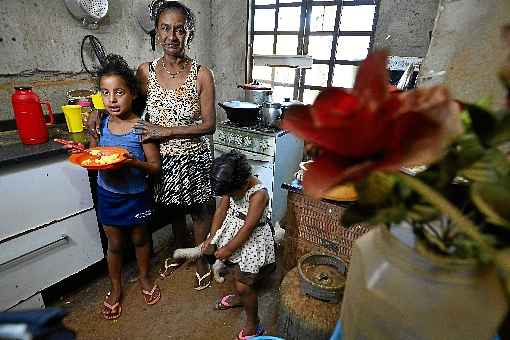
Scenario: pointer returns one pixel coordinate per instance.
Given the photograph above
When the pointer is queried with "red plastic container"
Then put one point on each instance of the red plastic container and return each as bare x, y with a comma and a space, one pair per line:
30, 120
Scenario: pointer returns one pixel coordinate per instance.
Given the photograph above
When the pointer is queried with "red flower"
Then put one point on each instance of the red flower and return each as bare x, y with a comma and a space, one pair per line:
371, 128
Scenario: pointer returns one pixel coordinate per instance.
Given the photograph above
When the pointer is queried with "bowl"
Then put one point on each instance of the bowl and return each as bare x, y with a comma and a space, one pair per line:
322, 276
343, 192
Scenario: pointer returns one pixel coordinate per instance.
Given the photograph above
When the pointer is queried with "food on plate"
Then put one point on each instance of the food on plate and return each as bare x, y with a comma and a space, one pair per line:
102, 160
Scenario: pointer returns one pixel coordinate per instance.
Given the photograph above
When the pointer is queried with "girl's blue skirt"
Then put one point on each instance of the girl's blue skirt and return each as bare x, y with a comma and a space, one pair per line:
123, 210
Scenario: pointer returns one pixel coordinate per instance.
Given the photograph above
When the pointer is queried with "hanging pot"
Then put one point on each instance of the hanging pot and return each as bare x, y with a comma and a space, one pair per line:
256, 93
241, 113
394, 292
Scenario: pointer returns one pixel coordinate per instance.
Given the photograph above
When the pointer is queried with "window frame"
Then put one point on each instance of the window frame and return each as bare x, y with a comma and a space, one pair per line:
303, 35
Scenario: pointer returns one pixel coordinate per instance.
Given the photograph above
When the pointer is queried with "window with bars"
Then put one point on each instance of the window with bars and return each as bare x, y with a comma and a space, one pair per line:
337, 34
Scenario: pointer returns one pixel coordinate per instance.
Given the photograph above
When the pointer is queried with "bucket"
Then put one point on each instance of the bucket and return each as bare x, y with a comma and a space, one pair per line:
72, 114
97, 100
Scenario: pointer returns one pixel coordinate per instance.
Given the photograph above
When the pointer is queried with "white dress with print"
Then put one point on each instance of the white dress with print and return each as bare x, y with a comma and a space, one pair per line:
258, 250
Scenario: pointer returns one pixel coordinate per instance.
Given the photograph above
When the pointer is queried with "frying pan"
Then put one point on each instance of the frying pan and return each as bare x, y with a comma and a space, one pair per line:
241, 113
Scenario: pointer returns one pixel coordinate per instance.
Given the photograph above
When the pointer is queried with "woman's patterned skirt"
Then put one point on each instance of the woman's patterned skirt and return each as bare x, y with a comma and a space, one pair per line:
184, 180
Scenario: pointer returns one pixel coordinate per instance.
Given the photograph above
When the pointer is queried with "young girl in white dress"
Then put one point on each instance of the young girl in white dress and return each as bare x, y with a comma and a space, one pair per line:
241, 235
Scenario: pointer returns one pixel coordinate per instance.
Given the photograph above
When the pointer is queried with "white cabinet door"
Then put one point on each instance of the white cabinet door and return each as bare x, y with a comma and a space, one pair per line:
39, 192
36, 260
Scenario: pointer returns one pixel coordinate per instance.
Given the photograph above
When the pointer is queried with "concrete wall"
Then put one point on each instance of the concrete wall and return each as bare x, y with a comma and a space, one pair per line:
47, 37
404, 25
229, 27
466, 50
44, 36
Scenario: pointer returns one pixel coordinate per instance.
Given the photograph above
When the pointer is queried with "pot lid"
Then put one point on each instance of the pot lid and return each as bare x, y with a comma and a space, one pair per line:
254, 86
236, 104
287, 102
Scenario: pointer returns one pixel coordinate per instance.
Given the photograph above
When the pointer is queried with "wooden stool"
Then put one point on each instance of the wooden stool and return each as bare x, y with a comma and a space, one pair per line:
301, 317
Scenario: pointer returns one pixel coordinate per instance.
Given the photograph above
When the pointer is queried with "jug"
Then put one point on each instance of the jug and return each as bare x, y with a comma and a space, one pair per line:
30, 121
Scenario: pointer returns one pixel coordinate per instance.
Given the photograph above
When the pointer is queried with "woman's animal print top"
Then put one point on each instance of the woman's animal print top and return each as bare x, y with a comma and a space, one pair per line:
176, 107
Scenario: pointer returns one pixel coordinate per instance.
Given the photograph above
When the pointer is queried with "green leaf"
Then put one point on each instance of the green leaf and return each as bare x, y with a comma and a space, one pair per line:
394, 214
468, 150
485, 103
375, 188
422, 212
502, 132
492, 199
483, 122
356, 214
491, 168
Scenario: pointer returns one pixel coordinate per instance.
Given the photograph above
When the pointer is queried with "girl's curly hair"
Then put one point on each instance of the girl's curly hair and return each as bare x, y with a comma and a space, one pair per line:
157, 7
230, 172
114, 64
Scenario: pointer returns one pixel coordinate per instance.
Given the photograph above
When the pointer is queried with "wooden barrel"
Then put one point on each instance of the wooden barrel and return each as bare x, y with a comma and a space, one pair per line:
302, 317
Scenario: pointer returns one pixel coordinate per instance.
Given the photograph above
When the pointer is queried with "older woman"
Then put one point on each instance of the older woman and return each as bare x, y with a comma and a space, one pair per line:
180, 114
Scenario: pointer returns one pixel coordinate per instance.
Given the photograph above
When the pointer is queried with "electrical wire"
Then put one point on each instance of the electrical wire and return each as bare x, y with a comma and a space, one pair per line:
98, 49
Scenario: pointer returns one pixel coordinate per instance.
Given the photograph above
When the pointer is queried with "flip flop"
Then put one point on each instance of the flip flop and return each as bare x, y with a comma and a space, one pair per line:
152, 297
203, 281
114, 311
224, 303
169, 268
259, 330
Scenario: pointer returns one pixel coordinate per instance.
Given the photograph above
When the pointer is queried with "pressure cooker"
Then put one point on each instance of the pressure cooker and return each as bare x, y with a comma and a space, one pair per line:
256, 93
271, 114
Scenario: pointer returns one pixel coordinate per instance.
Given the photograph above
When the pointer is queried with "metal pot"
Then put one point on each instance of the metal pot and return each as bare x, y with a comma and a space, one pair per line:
241, 113
256, 93
271, 114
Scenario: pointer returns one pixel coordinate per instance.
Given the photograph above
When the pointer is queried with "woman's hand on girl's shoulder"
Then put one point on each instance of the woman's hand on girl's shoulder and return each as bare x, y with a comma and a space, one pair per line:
149, 131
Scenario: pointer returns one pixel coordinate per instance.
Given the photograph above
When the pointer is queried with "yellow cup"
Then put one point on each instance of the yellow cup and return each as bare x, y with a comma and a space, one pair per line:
97, 100
73, 118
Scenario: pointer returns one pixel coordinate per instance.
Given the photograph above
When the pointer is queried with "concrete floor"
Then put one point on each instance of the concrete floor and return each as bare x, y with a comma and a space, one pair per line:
182, 313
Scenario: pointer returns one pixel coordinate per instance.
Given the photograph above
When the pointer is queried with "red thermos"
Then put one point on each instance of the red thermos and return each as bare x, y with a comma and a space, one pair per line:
32, 126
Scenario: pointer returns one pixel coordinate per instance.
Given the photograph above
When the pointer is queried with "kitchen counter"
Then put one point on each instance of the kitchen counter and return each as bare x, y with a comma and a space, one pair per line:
49, 229
12, 151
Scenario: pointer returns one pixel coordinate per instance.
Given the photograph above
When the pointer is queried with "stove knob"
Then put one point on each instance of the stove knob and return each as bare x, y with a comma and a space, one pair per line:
264, 145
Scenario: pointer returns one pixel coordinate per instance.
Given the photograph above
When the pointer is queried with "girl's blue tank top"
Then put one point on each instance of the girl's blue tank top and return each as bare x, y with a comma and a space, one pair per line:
126, 180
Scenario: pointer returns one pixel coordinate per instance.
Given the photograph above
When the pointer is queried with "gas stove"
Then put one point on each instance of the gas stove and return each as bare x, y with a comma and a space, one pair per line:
255, 138
259, 127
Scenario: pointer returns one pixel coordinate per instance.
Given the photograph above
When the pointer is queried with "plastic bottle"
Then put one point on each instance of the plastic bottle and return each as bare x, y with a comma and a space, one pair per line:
86, 109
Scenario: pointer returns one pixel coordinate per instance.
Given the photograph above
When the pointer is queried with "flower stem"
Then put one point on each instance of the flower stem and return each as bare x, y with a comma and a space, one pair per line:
438, 200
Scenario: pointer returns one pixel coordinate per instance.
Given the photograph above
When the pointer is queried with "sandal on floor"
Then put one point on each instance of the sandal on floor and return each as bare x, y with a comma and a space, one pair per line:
152, 297
202, 282
111, 312
258, 332
225, 302
170, 267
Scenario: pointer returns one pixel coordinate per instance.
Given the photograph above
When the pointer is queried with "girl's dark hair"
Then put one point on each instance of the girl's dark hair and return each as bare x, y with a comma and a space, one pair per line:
157, 7
229, 173
116, 65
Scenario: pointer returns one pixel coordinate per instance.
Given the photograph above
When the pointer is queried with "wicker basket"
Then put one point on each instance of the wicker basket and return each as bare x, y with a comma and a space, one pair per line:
315, 226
